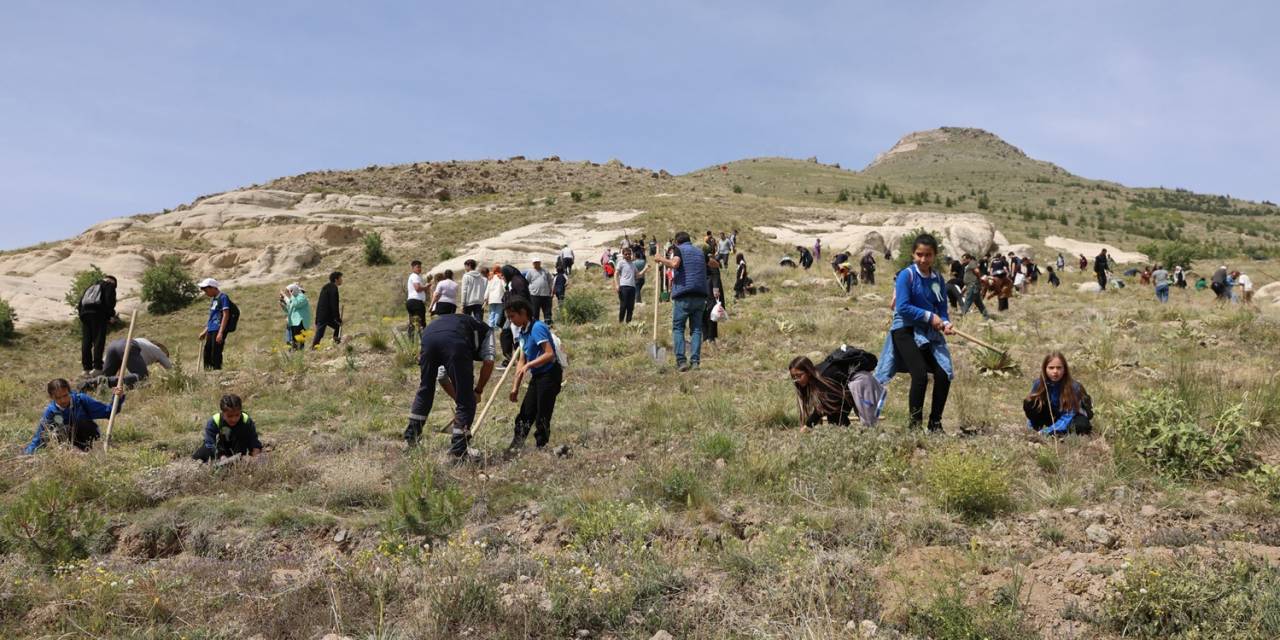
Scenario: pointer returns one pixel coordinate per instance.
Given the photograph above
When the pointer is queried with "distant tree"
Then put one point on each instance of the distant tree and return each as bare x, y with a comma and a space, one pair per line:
843, 196
983, 202
949, 202
374, 254
7, 320
1053, 202
167, 286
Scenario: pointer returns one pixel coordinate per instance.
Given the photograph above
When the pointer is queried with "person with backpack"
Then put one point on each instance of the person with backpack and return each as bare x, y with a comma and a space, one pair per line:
329, 310
96, 308
451, 345
540, 359
917, 342
223, 316
230, 432
689, 295
297, 314
1057, 405
70, 417
842, 383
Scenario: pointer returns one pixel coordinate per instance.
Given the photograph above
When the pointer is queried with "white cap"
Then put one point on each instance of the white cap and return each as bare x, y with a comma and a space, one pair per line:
208, 282
295, 287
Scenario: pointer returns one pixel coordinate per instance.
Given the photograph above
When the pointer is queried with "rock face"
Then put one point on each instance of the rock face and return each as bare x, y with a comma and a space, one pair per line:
1269, 294
1076, 248
859, 231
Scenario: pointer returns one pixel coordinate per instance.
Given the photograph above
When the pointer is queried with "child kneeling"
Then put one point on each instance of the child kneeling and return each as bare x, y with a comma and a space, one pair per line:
229, 432
1057, 404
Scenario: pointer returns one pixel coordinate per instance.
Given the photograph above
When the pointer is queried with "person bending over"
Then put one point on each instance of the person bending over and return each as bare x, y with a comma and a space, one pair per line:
70, 417
451, 345
229, 432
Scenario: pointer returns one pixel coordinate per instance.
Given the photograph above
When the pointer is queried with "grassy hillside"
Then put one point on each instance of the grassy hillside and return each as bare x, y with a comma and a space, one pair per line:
689, 503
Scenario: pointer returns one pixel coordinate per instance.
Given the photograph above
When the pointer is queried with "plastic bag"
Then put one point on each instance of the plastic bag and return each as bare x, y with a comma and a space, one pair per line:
718, 314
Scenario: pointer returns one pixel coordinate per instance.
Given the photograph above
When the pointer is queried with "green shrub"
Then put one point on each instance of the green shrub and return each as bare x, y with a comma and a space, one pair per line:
843, 196
167, 286
576, 196
426, 505
609, 521
81, 281
8, 317
1266, 479
51, 525
446, 254
1165, 433
1196, 598
968, 483
949, 617
374, 254
580, 307
677, 487
737, 188
718, 446
1172, 254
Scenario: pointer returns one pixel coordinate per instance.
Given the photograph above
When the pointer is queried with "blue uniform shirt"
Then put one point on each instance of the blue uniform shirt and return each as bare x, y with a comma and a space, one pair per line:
82, 408
534, 335
220, 303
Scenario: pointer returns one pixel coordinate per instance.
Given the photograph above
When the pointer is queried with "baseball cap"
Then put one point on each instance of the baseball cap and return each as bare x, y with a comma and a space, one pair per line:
208, 282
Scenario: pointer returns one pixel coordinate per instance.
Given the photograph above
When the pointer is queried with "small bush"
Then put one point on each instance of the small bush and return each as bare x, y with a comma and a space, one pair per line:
576, 196
737, 188
610, 521
8, 317
949, 617
677, 487
446, 254
968, 483
167, 286
374, 254
580, 307
378, 341
1189, 598
717, 446
1161, 430
81, 281
843, 196
51, 525
424, 505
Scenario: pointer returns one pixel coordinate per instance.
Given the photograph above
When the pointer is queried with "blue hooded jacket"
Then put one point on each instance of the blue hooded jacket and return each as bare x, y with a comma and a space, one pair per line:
82, 408
691, 276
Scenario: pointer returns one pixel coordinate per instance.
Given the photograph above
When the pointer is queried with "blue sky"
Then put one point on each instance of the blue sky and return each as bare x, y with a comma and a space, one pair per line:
115, 108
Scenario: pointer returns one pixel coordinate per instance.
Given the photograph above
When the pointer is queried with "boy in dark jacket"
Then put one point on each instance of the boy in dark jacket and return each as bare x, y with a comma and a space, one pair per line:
229, 432
96, 308
329, 311
70, 416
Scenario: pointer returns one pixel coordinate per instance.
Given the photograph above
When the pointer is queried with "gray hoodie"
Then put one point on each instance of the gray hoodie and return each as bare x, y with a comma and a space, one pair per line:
473, 287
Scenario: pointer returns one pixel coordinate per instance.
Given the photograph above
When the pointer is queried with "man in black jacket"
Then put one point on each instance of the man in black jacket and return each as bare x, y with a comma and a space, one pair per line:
1100, 266
96, 309
451, 345
329, 311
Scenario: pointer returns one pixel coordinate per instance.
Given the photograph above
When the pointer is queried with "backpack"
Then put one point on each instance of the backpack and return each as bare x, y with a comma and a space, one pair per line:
560, 356
233, 319
842, 363
92, 297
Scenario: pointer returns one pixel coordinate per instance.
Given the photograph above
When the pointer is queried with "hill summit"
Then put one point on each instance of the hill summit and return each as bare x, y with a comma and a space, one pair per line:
949, 148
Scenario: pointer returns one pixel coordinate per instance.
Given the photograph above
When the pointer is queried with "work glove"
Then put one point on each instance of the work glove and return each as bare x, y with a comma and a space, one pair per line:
413, 431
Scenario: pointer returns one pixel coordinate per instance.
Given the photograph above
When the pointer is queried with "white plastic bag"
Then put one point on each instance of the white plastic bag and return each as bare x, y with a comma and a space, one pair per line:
718, 314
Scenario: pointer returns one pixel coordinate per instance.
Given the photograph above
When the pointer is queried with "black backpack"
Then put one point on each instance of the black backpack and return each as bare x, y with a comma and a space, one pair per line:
842, 363
233, 319
92, 297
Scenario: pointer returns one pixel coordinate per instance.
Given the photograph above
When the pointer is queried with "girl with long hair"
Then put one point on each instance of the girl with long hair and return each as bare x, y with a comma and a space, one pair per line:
818, 396
1057, 404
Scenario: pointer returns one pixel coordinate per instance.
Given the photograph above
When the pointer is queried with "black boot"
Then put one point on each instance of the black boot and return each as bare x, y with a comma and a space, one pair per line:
935, 426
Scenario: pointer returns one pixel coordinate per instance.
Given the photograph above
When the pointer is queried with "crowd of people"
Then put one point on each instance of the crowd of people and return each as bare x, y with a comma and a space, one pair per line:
501, 312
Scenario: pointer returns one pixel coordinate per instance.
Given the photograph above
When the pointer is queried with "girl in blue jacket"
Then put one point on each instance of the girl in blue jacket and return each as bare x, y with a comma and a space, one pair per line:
916, 342
70, 416
1057, 404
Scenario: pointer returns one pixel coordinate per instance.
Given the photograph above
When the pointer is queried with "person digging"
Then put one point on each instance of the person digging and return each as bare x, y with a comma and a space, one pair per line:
452, 344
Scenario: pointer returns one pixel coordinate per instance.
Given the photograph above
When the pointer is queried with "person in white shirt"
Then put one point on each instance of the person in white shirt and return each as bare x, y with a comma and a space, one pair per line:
444, 297
416, 296
1246, 285
566, 259
493, 294
539, 291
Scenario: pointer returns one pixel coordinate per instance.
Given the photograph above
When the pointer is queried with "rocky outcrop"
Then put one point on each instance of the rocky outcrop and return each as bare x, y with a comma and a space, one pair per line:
859, 231
1071, 247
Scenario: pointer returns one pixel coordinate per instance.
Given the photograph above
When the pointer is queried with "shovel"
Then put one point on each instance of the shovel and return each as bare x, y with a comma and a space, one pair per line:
978, 342
659, 354
115, 399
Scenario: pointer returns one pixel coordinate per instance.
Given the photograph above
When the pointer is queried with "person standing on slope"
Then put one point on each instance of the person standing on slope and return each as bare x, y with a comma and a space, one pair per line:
689, 295
329, 310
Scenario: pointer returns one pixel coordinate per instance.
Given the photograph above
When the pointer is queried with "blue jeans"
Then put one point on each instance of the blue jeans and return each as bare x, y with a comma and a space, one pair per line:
691, 309
1162, 293
495, 314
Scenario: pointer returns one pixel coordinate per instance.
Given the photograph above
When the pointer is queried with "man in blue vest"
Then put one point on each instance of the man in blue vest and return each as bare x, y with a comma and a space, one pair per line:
689, 294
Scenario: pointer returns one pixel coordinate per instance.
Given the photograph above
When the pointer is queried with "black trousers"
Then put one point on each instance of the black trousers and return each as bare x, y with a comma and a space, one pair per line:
213, 350
93, 340
321, 326
507, 342
444, 309
538, 405
475, 311
639, 289
1102, 280
920, 364
626, 303
541, 308
205, 454
1002, 304
439, 350
417, 311
869, 276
